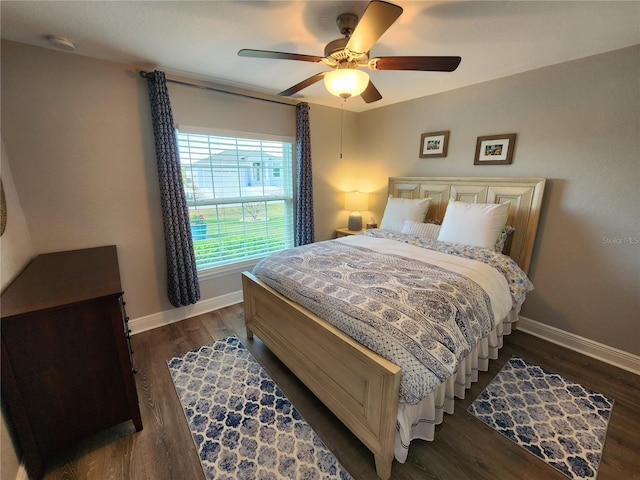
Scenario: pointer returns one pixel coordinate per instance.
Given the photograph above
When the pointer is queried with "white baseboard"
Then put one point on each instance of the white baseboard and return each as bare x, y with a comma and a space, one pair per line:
155, 320
610, 355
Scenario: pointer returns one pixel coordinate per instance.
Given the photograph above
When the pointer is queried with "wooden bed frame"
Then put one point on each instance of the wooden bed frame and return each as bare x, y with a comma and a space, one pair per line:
359, 386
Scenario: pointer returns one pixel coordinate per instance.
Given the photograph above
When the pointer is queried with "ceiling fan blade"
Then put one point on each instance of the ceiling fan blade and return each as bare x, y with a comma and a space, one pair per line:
246, 52
303, 84
371, 93
426, 64
376, 19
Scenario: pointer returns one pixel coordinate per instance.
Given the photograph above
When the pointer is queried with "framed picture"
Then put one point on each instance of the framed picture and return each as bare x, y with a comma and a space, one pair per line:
434, 144
495, 149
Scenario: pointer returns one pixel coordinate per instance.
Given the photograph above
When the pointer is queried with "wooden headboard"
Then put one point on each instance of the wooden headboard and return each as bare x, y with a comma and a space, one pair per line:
524, 193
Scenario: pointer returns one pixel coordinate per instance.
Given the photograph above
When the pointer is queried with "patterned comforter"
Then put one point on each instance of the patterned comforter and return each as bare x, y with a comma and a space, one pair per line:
419, 315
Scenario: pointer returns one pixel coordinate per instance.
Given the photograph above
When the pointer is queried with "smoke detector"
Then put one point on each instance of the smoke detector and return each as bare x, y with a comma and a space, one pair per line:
61, 43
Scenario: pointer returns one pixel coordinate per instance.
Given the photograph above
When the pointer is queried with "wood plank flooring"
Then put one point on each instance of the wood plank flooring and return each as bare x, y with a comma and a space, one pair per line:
464, 447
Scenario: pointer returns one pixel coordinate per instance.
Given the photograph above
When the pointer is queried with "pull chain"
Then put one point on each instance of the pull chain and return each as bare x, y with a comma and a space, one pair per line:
341, 124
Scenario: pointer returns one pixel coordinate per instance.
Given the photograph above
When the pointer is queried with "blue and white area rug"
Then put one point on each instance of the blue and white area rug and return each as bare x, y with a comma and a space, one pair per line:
242, 424
559, 421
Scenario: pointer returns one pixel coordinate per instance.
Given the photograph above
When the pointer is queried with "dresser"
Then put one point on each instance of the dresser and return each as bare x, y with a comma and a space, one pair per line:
67, 369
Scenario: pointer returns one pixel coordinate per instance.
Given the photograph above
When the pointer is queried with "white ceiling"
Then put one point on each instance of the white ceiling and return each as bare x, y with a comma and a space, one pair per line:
201, 39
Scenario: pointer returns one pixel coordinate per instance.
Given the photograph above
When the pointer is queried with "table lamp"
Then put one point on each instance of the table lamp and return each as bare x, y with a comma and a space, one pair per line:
356, 202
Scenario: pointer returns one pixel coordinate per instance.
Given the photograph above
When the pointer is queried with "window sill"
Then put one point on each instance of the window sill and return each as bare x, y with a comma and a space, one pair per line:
225, 270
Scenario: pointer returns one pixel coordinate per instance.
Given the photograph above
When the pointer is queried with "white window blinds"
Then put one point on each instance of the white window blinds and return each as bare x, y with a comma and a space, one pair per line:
240, 194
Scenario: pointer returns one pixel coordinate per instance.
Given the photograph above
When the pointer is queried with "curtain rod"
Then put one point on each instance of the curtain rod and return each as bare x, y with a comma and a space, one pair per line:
144, 74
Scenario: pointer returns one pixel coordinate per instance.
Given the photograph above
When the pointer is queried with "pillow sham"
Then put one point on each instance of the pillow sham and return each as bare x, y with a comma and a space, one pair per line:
423, 230
475, 224
400, 209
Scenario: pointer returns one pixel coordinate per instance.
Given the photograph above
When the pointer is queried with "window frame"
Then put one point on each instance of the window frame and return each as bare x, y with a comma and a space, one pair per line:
244, 263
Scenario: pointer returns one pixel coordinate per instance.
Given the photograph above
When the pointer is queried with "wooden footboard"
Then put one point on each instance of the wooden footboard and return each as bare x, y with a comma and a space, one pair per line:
359, 386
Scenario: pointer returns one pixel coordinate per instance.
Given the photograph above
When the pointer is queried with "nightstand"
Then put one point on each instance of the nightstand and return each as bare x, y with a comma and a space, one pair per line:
343, 232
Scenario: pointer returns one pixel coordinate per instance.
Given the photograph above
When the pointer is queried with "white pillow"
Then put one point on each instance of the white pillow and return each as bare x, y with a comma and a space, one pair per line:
476, 224
423, 230
400, 209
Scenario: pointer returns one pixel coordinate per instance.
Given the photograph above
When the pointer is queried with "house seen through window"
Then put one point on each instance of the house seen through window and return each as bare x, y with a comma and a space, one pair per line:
240, 195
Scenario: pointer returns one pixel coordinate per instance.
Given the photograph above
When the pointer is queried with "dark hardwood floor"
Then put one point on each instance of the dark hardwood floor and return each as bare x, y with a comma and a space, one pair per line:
464, 447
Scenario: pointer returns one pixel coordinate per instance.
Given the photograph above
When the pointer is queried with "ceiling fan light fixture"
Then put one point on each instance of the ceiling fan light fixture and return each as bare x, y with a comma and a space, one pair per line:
346, 82
345, 56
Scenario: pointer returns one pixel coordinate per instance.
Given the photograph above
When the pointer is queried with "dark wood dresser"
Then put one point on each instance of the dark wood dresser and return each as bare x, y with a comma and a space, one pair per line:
66, 357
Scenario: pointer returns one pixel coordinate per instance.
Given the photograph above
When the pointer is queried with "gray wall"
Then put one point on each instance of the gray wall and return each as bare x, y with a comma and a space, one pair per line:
79, 144
578, 124
78, 133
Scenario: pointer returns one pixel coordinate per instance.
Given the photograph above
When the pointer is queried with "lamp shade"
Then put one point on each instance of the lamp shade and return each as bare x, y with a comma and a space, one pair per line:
356, 201
346, 82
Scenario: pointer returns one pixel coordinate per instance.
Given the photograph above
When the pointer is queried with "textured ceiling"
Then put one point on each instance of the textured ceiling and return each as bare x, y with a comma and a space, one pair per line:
201, 39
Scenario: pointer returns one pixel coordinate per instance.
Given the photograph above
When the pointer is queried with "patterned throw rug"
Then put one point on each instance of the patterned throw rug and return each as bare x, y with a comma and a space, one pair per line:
243, 426
559, 421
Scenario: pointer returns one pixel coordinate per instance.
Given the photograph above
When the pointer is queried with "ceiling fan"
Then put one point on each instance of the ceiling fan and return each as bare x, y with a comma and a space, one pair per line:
348, 54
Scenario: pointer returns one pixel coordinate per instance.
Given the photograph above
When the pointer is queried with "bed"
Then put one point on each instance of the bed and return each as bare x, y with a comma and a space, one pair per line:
361, 386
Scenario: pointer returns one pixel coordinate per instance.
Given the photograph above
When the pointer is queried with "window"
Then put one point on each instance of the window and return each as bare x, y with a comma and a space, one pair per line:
240, 194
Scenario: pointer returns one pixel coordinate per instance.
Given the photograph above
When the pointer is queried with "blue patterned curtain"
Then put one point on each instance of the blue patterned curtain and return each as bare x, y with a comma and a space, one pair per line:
304, 190
183, 286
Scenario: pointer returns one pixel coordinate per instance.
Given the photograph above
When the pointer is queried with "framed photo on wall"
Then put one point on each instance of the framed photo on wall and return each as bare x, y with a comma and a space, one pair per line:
495, 149
434, 144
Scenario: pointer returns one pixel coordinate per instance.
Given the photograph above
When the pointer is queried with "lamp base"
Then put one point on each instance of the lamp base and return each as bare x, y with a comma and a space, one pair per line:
355, 222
